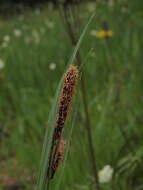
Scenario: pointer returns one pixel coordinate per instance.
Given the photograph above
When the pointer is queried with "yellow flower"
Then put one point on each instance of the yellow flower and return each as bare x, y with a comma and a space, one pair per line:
103, 33
109, 33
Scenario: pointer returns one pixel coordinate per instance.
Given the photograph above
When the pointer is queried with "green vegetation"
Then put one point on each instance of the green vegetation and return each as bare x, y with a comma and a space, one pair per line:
34, 52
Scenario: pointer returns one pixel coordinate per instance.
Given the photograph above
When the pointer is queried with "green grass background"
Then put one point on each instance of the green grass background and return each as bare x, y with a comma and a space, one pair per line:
28, 88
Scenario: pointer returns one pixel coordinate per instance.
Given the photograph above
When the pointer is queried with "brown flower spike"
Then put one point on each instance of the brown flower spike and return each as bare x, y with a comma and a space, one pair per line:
58, 156
67, 93
68, 90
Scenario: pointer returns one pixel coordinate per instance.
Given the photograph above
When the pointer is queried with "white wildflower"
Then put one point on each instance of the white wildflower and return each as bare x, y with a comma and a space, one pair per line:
93, 32
1, 64
52, 66
17, 32
6, 38
105, 175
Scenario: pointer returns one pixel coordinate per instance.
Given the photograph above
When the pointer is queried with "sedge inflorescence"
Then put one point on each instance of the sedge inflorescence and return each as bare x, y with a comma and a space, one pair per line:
58, 156
67, 93
58, 144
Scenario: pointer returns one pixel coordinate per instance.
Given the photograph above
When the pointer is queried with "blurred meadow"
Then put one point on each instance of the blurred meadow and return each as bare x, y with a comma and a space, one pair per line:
34, 52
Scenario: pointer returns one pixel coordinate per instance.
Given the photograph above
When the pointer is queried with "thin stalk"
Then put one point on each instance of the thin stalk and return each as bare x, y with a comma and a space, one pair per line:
88, 124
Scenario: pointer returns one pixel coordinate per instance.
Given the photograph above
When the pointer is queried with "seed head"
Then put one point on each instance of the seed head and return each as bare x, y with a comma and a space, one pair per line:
58, 156
58, 144
66, 96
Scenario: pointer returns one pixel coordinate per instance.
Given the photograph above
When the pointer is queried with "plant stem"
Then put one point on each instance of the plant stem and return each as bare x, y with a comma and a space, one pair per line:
88, 124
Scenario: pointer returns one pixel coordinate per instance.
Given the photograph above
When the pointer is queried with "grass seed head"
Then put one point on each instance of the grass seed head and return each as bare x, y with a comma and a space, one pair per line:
58, 144
68, 90
58, 156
